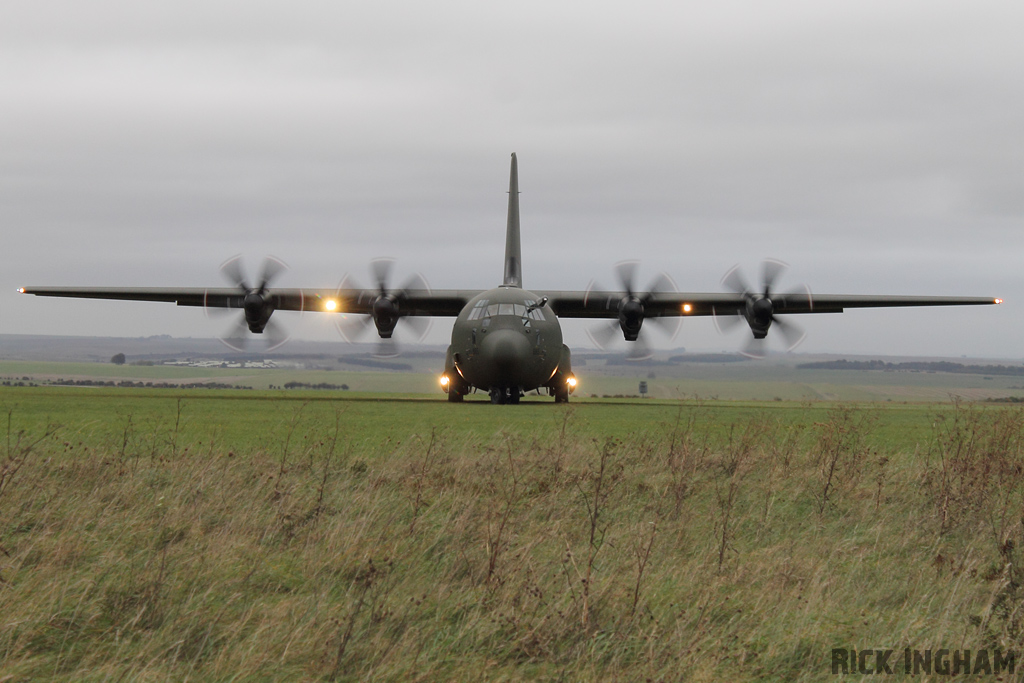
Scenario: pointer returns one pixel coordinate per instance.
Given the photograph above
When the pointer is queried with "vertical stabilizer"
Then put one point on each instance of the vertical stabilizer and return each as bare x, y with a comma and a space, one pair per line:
513, 251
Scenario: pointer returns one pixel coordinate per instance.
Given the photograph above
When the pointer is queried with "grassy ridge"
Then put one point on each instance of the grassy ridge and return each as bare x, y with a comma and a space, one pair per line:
242, 536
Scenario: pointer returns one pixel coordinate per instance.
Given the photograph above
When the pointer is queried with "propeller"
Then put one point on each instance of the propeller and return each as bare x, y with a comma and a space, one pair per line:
631, 311
256, 302
389, 308
759, 310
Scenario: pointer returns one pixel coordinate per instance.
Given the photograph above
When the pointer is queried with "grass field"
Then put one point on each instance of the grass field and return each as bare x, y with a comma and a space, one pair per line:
747, 381
251, 535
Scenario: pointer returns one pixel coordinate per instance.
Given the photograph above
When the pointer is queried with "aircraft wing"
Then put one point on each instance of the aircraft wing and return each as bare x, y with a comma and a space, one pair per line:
441, 302
605, 304
448, 302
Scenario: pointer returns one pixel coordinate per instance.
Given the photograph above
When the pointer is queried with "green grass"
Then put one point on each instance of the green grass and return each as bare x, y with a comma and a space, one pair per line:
251, 419
747, 381
241, 535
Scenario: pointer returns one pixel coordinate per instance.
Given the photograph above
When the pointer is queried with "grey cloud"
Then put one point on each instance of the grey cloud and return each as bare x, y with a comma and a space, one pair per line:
876, 147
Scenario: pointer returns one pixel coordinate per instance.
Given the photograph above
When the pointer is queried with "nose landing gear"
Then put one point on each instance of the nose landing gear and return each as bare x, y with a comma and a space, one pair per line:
502, 395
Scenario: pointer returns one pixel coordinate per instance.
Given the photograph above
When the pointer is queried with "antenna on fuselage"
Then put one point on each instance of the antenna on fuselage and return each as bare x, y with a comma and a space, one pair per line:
513, 251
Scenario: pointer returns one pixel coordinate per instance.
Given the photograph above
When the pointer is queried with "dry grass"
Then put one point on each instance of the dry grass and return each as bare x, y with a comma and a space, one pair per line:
668, 555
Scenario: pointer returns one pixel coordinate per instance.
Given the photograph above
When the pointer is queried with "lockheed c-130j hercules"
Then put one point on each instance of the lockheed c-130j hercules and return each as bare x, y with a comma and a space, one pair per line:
507, 340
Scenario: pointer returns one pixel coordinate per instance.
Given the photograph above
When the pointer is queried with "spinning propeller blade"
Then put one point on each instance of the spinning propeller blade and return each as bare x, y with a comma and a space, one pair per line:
759, 311
256, 302
391, 309
632, 313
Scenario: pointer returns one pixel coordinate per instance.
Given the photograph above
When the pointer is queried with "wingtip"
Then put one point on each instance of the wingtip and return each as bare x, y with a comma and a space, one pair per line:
21, 290
997, 301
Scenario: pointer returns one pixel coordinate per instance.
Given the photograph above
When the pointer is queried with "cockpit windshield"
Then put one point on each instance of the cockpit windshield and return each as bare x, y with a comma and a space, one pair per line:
484, 309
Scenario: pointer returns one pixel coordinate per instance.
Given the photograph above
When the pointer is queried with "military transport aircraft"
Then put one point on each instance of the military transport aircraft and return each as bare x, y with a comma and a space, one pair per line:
507, 340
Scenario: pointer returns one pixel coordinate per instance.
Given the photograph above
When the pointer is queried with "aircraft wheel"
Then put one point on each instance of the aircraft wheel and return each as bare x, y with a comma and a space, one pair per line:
497, 396
454, 396
562, 395
513, 396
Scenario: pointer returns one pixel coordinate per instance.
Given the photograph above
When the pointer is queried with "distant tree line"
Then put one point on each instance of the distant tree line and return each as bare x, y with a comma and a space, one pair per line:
709, 358
144, 385
621, 359
321, 385
915, 366
373, 363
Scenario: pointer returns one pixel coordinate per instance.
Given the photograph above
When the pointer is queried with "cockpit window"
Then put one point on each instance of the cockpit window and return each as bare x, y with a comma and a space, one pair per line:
482, 309
478, 310
536, 313
506, 309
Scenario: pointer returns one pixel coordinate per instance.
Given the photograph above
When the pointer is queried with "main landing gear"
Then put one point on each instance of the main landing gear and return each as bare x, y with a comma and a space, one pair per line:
502, 395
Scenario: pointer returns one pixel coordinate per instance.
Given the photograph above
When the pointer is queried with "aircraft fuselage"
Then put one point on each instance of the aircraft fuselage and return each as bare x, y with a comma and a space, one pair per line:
504, 341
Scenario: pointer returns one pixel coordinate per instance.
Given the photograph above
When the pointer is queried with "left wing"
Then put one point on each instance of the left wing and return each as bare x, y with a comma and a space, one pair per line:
443, 302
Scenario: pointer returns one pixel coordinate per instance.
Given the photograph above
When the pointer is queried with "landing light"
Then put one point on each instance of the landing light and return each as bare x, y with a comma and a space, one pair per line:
998, 301
687, 308
21, 290
331, 305
444, 380
571, 382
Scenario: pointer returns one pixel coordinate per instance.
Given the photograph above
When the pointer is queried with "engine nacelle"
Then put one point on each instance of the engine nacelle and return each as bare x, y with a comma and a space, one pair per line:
631, 317
258, 309
385, 316
759, 313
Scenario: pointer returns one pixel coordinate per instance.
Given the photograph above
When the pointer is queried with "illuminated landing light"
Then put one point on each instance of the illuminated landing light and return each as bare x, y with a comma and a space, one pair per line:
571, 382
444, 380
995, 301
21, 290
331, 305
687, 308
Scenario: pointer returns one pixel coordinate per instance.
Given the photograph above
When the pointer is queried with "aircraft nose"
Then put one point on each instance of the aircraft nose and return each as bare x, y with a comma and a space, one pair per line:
508, 350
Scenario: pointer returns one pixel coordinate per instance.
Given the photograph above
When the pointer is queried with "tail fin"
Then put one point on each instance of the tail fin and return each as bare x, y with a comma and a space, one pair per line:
513, 251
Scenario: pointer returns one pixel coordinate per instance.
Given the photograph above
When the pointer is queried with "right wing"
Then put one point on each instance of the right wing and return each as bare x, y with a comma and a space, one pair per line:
605, 304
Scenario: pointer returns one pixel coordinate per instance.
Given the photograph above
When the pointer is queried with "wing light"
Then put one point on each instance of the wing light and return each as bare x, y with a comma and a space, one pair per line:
687, 308
995, 301
331, 305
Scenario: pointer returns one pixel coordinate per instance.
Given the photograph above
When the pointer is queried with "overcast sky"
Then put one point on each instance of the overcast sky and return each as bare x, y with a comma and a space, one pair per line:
877, 147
